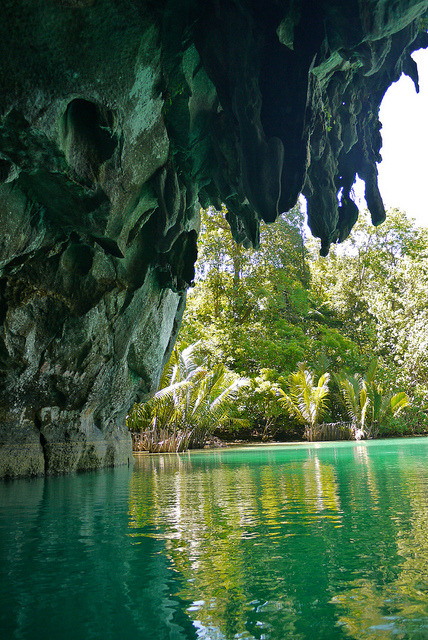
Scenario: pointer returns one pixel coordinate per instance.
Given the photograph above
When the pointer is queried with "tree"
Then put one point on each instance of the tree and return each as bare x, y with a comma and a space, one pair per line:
382, 405
305, 400
374, 286
253, 308
356, 399
260, 411
192, 400
366, 402
282, 304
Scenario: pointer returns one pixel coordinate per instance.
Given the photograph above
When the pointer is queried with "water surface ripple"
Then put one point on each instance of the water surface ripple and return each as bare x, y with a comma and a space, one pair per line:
326, 541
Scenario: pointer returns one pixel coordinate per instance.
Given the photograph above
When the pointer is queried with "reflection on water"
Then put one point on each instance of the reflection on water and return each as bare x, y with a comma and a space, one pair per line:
291, 542
67, 572
320, 541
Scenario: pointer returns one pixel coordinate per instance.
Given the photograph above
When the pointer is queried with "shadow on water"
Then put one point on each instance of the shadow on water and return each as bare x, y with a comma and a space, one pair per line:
71, 569
325, 541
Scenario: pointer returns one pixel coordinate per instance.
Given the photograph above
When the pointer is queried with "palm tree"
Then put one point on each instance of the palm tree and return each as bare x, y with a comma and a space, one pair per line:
305, 400
366, 402
191, 401
356, 399
383, 405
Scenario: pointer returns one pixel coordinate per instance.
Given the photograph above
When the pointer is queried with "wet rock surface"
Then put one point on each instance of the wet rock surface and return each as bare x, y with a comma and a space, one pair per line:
117, 120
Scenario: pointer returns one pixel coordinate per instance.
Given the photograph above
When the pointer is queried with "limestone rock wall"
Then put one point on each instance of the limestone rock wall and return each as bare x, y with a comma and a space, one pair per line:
118, 118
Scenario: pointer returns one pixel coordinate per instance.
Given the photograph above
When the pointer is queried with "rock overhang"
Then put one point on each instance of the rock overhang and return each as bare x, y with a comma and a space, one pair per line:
117, 121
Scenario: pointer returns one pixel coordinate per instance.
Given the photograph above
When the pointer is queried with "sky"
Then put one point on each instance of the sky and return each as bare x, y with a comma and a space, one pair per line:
403, 172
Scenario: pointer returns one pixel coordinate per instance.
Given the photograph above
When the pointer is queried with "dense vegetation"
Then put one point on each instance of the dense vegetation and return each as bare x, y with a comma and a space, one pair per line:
350, 329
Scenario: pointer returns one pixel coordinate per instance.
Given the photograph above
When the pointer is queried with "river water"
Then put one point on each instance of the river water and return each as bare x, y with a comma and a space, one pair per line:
309, 542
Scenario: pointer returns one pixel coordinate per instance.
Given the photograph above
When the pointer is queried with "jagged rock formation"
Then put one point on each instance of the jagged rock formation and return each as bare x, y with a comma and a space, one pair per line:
117, 118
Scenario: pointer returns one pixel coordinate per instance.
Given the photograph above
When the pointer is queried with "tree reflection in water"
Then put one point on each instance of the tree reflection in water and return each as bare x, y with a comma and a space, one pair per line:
278, 543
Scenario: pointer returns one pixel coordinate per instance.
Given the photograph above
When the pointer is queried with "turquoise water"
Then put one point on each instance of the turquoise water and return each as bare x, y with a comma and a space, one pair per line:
321, 541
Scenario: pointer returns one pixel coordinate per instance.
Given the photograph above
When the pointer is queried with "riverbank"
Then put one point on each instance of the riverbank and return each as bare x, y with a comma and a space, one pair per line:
215, 443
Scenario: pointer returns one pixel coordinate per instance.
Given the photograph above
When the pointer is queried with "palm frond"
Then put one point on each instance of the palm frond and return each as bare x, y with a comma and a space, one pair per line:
355, 396
399, 402
192, 401
371, 371
305, 401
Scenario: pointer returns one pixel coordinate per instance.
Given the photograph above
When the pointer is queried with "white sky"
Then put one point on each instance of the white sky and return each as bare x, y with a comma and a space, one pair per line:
403, 172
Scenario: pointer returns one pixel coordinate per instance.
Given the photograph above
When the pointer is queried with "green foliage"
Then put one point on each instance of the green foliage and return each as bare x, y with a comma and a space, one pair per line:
254, 309
382, 406
366, 402
355, 396
412, 421
306, 401
361, 313
192, 400
259, 410
373, 288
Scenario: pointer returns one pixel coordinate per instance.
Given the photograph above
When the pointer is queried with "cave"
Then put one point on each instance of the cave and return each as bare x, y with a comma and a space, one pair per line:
118, 121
